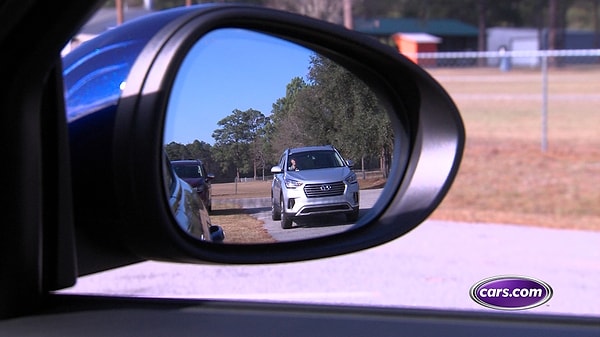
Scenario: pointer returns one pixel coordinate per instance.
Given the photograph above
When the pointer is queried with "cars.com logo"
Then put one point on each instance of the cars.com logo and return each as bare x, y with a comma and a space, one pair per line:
511, 292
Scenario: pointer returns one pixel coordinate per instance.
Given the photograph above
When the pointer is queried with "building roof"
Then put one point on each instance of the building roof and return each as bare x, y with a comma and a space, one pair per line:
438, 27
418, 37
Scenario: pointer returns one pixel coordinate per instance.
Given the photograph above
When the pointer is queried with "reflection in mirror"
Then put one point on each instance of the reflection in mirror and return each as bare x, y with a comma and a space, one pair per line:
239, 100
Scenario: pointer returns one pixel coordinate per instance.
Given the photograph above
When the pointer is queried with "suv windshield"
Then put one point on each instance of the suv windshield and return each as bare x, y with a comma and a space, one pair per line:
314, 160
188, 171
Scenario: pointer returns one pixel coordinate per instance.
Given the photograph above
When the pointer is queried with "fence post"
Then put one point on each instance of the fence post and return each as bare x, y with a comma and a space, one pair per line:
544, 102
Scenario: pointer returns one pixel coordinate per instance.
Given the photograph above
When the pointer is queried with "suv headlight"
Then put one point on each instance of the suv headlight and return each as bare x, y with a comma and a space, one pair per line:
351, 179
290, 183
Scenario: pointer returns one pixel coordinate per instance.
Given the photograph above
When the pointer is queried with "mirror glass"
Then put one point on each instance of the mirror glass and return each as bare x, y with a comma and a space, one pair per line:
239, 100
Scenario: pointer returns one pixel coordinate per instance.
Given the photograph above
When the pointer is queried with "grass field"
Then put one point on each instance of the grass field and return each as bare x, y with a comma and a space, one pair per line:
505, 177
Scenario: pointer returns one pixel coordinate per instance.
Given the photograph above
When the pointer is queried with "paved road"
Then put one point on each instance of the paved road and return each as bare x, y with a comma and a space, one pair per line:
260, 208
433, 266
316, 226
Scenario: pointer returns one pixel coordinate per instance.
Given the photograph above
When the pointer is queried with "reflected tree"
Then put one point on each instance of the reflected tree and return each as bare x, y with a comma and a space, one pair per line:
287, 128
333, 107
239, 141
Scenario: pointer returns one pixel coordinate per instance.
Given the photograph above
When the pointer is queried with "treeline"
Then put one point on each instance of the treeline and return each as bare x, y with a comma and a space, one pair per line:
566, 14
554, 16
330, 106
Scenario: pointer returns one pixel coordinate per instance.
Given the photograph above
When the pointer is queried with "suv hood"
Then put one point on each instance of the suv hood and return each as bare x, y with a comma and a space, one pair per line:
325, 175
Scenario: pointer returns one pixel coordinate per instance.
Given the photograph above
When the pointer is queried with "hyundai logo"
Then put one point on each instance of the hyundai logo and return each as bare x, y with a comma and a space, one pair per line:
325, 188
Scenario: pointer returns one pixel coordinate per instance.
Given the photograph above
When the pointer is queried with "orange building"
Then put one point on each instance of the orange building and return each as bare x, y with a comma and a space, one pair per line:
409, 44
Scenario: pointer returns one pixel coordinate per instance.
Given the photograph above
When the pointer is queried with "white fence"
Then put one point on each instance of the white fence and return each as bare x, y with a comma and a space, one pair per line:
507, 60
517, 58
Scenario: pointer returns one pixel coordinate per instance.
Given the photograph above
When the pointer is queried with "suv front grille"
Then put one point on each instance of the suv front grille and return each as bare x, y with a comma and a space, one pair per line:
324, 190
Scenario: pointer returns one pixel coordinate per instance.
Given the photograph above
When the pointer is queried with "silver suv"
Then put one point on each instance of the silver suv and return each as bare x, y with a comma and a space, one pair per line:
313, 180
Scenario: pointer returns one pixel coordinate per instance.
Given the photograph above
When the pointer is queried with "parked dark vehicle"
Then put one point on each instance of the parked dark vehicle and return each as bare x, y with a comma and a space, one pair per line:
188, 208
194, 173
87, 193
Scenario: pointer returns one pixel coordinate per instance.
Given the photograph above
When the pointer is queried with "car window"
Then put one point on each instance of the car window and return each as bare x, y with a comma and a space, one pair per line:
169, 178
316, 160
524, 203
282, 161
189, 171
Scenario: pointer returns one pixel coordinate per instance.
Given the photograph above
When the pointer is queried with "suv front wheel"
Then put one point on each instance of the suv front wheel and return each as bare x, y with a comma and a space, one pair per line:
352, 216
286, 220
275, 210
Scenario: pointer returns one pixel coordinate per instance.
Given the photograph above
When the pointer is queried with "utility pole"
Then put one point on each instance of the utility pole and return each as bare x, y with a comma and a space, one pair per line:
119, 8
552, 24
348, 23
482, 25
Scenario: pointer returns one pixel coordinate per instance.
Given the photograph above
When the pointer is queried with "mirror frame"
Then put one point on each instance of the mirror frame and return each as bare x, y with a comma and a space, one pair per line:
434, 142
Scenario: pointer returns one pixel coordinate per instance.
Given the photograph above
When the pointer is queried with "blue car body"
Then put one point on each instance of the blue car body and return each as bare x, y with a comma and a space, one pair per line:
95, 75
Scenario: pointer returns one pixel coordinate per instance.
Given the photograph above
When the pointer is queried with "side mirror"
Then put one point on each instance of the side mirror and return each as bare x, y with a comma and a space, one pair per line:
161, 62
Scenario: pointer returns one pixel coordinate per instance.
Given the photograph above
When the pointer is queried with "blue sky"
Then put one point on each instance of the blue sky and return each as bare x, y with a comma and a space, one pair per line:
230, 69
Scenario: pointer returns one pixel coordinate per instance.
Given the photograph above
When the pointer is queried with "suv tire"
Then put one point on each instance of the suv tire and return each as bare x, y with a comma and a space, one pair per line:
352, 216
286, 221
275, 210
